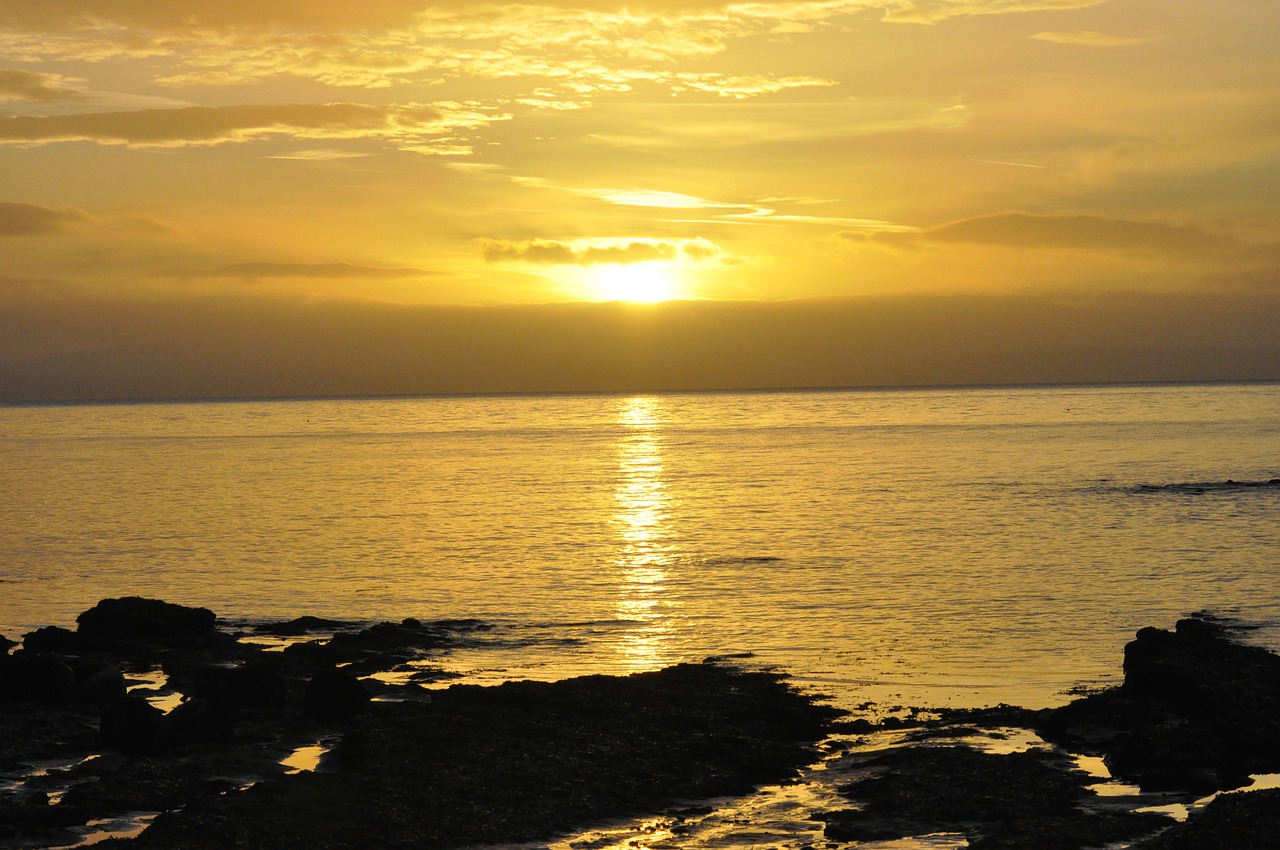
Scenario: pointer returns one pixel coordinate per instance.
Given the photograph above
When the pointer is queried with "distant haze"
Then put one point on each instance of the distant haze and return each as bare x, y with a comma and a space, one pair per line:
224, 346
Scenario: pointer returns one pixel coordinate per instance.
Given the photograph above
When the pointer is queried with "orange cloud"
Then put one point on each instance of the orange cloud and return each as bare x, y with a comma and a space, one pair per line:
31, 220
1089, 38
411, 127
588, 253
38, 88
322, 271
1028, 230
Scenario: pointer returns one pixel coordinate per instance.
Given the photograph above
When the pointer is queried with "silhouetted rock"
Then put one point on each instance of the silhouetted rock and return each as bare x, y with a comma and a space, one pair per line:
52, 639
134, 619
27, 675
99, 683
301, 626
1197, 711
130, 724
1231, 822
409, 634
6, 644
334, 694
1018, 800
520, 761
194, 721
1201, 488
244, 686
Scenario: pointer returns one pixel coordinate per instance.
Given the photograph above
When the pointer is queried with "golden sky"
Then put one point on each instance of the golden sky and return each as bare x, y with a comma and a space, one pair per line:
434, 162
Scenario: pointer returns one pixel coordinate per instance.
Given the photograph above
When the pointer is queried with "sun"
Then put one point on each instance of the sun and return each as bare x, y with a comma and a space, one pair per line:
639, 282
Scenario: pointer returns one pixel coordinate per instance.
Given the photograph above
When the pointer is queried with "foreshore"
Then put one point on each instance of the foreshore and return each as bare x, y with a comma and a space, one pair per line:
152, 707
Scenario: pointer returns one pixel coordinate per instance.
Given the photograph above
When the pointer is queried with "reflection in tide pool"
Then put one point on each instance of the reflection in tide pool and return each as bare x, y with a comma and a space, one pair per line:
643, 526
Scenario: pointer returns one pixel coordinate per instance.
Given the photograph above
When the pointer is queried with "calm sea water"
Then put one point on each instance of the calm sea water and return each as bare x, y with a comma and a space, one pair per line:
959, 547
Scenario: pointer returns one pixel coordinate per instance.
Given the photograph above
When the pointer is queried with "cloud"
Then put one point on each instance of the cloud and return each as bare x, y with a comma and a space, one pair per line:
31, 220
597, 252
320, 155
408, 126
581, 46
740, 87
36, 88
750, 213
323, 271
1088, 38
1087, 231
64, 15
334, 16
1266, 279
655, 199
935, 11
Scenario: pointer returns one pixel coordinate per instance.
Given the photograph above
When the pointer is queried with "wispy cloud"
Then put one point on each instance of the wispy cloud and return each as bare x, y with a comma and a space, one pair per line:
1081, 231
320, 155
322, 271
575, 45
597, 251
417, 127
30, 220
657, 199
1089, 38
935, 11
38, 88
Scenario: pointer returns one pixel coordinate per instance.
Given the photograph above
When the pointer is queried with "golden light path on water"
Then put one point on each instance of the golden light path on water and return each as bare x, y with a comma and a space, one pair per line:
645, 536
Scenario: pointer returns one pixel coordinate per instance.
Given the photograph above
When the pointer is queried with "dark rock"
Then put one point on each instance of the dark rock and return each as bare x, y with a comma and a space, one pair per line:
1019, 800
134, 619
1231, 822
131, 724
1197, 711
463, 625
52, 639
519, 762
6, 644
102, 685
247, 686
27, 675
384, 637
194, 721
334, 694
301, 626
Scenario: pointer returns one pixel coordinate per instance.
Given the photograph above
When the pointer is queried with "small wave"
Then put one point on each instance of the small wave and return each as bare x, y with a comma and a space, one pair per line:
1199, 488
746, 560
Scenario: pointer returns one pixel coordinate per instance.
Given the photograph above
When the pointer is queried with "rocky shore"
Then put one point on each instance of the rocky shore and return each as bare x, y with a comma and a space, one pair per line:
408, 768
152, 707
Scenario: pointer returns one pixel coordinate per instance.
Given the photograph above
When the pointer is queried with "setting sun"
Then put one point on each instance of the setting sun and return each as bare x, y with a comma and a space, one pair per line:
640, 282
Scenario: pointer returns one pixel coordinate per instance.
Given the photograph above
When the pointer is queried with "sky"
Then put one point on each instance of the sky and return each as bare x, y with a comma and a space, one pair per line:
279, 197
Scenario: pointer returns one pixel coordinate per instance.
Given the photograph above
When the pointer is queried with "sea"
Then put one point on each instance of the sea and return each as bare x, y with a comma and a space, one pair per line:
884, 548
942, 547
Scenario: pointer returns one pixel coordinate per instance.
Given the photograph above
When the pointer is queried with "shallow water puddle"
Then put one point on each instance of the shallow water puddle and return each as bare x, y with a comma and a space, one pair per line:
48, 776
306, 759
1181, 811
777, 816
1096, 767
156, 685
129, 825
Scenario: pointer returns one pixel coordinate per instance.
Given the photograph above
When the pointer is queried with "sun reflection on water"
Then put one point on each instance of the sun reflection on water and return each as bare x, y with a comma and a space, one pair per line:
646, 549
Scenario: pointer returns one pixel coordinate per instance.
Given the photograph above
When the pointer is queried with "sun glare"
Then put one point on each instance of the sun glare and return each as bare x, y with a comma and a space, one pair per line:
640, 282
